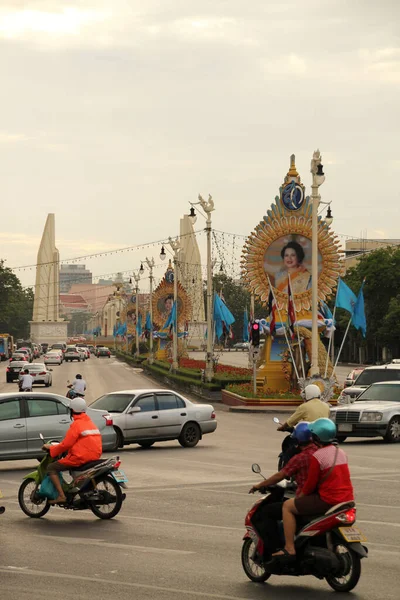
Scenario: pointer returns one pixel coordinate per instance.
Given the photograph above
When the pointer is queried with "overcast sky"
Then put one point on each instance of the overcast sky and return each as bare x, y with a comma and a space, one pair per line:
116, 113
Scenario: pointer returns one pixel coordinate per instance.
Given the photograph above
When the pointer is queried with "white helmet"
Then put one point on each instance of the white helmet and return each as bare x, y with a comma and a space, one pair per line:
78, 405
311, 391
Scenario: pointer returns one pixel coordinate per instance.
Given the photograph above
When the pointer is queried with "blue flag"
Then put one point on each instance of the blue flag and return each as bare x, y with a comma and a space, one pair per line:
171, 321
345, 297
222, 316
139, 325
359, 320
245, 326
115, 330
147, 325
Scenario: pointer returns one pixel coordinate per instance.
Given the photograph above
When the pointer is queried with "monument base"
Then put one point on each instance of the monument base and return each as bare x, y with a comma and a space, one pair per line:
49, 332
197, 335
270, 365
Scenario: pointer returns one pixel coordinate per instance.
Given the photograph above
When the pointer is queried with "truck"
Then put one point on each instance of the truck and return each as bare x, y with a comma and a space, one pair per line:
6, 346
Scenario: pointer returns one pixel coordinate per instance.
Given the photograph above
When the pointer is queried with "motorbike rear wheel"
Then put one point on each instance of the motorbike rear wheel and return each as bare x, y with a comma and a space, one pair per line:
351, 570
30, 504
254, 571
108, 511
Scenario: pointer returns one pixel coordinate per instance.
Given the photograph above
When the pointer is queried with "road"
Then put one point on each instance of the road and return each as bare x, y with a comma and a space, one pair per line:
241, 359
180, 531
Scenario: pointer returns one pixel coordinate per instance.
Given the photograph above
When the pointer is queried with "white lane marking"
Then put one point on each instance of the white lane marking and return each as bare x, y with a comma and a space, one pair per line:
379, 523
368, 479
180, 593
96, 542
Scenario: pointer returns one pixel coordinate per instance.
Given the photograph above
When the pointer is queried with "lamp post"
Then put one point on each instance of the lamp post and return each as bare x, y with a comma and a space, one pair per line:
208, 207
175, 245
150, 264
136, 277
318, 179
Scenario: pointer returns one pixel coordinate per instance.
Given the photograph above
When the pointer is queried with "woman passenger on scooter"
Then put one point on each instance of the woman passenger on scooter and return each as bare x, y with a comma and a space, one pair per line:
328, 483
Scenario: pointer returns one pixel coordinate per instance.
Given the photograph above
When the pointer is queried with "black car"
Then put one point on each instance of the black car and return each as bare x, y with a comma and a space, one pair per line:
14, 368
103, 352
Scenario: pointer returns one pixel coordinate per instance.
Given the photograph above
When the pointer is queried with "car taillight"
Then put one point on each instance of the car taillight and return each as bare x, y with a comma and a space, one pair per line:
213, 415
42, 373
8, 369
109, 420
347, 517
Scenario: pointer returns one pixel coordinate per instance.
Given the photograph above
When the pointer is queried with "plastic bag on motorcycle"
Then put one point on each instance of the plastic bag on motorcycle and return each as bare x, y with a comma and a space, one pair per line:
47, 488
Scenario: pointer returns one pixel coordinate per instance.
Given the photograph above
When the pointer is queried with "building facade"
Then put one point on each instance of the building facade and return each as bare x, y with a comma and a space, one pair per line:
73, 274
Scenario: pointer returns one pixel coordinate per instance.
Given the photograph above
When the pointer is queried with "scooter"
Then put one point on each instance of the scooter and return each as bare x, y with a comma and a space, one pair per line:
328, 547
95, 486
72, 393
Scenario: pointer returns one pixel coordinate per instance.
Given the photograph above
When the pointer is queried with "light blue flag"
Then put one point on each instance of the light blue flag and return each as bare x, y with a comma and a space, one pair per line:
245, 326
222, 315
171, 321
139, 325
359, 320
345, 297
147, 325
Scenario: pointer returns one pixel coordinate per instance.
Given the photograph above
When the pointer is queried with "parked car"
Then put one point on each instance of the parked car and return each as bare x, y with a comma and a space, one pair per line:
23, 416
243, 346
352, 376
103, 351
147, 416
40, 374
369, 376
72, 353
14, 368
374, 413
53, 357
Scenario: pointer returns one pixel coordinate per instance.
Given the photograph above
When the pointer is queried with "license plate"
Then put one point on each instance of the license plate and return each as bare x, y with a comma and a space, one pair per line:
352, 534
345, 427
119, 476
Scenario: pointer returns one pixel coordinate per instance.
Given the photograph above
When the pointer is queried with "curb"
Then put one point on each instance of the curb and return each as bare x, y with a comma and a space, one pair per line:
275, 410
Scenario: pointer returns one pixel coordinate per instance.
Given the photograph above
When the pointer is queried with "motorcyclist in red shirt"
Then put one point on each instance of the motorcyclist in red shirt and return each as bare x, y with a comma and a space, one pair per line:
328, 483
83, 443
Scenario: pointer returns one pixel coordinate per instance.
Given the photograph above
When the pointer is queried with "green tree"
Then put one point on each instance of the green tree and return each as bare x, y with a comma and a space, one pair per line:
77, 323
16, 304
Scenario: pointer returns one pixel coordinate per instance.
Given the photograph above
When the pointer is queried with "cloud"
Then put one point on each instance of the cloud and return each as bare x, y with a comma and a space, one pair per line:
12, 138
382, 63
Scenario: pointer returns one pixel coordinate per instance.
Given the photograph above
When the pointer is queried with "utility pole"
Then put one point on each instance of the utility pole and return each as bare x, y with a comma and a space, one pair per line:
175, 245
136, 277
150, 264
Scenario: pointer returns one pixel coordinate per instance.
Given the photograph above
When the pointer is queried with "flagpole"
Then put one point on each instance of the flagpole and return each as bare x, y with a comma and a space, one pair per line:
297, 327
284, 328
331, 338
342, 344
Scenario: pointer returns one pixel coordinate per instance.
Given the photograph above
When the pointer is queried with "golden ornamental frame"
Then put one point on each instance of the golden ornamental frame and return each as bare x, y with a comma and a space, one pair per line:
280, 222
164, 289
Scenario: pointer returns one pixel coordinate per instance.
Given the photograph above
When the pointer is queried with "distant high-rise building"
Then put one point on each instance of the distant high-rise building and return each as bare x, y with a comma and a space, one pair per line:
71, 274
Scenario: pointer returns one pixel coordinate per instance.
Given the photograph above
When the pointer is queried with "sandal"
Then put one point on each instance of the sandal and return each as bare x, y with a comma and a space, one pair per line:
285, 556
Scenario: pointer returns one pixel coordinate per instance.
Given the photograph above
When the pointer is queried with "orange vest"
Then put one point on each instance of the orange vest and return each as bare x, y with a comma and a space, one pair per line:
83, 442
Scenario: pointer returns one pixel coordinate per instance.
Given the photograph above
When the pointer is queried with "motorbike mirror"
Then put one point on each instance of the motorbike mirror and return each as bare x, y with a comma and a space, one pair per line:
41, 436
256, 468
276, 420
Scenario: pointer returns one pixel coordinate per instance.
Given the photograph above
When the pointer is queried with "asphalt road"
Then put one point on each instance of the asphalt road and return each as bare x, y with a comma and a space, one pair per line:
179, 533
241, 359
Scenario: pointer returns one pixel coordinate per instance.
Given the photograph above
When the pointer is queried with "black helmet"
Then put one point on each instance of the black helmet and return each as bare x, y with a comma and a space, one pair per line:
79, 376
26, 370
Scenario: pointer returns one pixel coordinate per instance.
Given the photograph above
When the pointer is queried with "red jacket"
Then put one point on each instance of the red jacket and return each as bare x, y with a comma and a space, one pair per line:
83, 442
337, 487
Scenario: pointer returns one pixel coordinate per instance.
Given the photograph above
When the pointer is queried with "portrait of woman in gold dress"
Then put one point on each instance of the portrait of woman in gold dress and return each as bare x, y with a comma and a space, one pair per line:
292, 255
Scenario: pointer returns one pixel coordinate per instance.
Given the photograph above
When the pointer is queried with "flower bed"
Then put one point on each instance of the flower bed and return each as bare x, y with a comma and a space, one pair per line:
191, 363
246, 390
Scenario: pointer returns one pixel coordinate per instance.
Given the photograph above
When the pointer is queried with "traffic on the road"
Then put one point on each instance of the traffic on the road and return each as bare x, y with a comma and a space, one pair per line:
148, 482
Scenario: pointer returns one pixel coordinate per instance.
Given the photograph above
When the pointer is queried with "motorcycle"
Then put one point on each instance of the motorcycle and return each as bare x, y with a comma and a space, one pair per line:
95, 486
72, 393
327, 546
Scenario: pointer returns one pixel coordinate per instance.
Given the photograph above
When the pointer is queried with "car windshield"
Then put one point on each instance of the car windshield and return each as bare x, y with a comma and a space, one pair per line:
37, 367
388, 392
376, 375
115, 403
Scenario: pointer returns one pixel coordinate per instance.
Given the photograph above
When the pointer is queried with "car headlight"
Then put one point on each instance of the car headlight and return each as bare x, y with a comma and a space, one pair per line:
332, 415
371, 416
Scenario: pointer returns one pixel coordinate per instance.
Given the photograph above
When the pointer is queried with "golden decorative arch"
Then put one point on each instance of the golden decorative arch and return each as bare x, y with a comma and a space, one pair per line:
290, 219
162, 292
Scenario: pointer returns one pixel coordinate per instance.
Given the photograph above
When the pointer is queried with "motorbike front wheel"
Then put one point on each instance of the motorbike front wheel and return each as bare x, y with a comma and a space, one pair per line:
254, 571
108, 485
31, 504
351, 571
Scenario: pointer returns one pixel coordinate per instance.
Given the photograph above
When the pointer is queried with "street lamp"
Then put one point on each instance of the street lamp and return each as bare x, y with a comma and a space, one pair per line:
136, 277
208, 207
318, 179
163, 253
329, 217
175, 245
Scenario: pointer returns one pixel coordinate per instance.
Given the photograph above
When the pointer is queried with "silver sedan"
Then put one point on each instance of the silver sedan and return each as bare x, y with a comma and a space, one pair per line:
23, 416
147, 416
